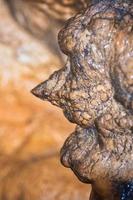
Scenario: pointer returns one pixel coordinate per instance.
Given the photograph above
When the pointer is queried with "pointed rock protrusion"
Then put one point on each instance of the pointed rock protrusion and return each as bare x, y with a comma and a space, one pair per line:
39, 91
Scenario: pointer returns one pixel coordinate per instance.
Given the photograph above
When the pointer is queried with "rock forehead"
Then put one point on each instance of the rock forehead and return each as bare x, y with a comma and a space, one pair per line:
81, 23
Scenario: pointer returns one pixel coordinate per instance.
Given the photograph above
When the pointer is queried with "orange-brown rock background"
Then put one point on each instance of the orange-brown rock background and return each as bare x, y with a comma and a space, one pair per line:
31, 131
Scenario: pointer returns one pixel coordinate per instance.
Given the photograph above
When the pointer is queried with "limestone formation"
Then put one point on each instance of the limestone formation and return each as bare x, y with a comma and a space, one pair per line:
95, 91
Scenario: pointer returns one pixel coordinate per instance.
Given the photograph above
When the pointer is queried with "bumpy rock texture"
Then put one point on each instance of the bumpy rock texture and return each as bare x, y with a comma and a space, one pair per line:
28, 145
95, 91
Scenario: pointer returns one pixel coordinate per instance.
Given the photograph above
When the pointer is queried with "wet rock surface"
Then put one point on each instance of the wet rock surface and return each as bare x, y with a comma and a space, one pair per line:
29, 147
94, 89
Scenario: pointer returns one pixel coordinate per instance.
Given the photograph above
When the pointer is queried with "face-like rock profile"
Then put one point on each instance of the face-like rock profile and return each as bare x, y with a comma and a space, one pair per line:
95, 91
99, 72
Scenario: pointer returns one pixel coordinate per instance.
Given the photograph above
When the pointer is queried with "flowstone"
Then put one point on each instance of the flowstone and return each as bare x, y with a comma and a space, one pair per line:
95, 91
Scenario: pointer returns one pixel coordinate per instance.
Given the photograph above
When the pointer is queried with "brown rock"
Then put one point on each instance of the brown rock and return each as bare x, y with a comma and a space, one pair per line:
99, 46
31, 133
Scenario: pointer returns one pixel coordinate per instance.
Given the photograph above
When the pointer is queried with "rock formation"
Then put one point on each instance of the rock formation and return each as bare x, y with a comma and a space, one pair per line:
95, 91
29, 147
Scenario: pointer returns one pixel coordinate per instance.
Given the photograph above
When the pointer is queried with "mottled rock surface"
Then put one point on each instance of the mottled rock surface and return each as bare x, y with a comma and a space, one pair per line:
29, 145
95, 91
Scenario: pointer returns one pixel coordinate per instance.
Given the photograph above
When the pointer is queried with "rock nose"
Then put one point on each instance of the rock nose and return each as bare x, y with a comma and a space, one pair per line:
49, 89
41, 91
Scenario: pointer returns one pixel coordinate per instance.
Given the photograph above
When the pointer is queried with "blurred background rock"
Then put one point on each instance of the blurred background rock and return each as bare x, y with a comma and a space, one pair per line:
31, 131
